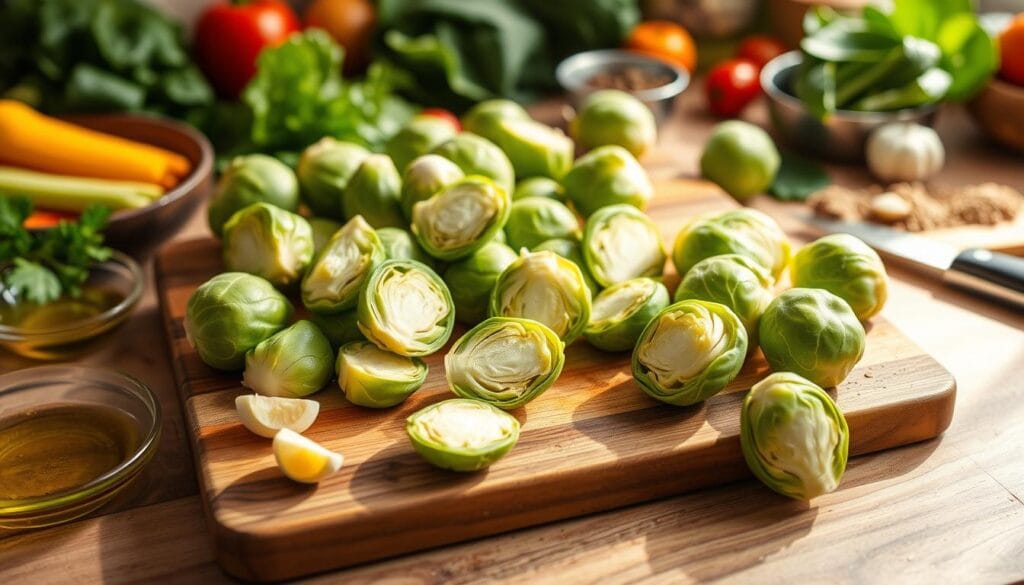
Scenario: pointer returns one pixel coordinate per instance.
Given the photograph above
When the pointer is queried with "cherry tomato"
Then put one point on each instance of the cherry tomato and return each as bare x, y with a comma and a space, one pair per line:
760, 49
350, 23
731, 86
445, 115
666, 40
229, 37
1011, 52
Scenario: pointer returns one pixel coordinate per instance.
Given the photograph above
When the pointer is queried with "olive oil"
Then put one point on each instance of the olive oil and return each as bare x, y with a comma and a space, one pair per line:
62, 312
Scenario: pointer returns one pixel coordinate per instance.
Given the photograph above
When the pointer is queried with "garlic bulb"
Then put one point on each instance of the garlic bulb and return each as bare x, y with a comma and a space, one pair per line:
904, 151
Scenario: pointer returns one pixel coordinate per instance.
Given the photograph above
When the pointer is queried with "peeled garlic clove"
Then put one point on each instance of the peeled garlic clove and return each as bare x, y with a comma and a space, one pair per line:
889, 207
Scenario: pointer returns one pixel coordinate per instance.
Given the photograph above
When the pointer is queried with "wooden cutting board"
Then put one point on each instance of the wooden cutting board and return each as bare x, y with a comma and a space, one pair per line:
592, 442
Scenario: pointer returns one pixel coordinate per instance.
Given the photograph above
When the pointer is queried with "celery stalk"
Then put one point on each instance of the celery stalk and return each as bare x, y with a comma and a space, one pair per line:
66, 193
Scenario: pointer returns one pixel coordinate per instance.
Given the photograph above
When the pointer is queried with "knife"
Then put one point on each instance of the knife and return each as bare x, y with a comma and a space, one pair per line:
993, 274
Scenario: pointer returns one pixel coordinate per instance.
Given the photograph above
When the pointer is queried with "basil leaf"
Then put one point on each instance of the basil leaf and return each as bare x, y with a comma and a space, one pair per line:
798, 178
929, 88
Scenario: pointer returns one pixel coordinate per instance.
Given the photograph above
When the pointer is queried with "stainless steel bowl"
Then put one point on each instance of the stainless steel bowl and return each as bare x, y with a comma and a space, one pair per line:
705, 18
841, 135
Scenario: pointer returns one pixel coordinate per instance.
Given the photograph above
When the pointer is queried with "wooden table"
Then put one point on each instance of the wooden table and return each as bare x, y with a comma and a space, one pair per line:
947, 510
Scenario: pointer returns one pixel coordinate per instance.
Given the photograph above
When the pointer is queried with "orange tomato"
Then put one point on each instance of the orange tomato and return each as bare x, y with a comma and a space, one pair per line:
1011, 52
350, 22
664, 39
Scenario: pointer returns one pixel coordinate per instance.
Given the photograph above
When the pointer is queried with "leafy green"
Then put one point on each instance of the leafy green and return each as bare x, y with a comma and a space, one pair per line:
798, 178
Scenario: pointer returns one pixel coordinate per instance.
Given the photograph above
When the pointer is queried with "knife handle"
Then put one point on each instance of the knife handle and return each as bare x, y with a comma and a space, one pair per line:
997, 275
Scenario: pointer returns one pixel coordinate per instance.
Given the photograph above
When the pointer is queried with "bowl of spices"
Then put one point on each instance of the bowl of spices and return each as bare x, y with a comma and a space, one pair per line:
71, 438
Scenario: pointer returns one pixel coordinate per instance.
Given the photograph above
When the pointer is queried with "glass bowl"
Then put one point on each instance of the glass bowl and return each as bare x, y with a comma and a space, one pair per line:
35, 389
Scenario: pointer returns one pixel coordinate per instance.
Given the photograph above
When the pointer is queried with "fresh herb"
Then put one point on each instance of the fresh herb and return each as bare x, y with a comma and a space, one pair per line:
798, 178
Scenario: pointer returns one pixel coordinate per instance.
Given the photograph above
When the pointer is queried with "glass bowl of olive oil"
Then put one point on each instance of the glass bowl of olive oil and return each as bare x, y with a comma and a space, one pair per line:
71, 438
62, 328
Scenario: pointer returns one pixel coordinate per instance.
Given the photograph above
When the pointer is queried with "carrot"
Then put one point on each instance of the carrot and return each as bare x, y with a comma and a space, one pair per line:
42, 218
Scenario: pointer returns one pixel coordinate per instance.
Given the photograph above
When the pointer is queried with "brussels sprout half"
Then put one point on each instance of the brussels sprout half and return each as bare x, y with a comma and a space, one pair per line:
621, 243
547, 288
375, 192
607, 175
538, 219
332, 283
746, 232
268, 242
292, 363
846, 267
614, 117
621, 312
323, 229
538, 187
324, 170
256, 178
400, 245
405, 308
421, 135
425, 177
735, 281
476, 155
462, 435
573, 252
374, 378
794, 437
460, 219
471, 280
483, 118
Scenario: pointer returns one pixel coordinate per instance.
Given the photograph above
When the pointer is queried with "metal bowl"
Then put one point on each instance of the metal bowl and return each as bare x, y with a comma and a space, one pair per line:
842, 134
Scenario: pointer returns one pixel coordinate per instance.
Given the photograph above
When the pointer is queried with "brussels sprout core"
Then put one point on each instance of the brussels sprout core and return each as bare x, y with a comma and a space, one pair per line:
620, 243
375, 378
405, 308
462, 435
547, 288
332, 283
460, 219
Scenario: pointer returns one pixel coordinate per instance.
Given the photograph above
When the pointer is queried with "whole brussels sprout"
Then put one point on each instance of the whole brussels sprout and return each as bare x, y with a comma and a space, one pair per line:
417, 138
621, 312
476, 155
505, 362
425, 177
794, 438
483, 118
689, 352
256, 178
460, 219
323, 229
546, 288
332, 283
462, 435
292, 363
374, 378
535, 149
537, 219
324, 169
732, 280
746, 232
846, 267
339, 328
606, 176
405, 308
400, 245
621, 243
269, 242
538, 187
813, 333
614, 117
471, 279
740, 158
229, 314
573, 252
375, 192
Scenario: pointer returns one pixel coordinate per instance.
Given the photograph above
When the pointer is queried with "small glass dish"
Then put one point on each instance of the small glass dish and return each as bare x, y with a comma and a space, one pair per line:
70, 325
35, 390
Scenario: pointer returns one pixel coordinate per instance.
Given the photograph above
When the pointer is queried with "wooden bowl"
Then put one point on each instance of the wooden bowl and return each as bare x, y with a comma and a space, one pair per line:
999, 111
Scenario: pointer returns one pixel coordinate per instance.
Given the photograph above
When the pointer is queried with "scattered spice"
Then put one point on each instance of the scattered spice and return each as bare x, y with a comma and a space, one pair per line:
628, 79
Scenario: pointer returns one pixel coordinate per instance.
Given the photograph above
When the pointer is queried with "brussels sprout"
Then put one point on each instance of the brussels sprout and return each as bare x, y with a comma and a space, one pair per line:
483, 118
460, 219
462, 435
606, 176
813, 333
621, 312
375, 192
689, 352
544, 287
269, 242
846, 267
256, 178
400, 245
471, 279
293, 363
735, 281
425, 177
746, 232
417, 138
614, 117
229, 314
339, 328
476, 155
505, 362
573, 252
535, 149
794, 438
406, 308
537, 219
323, 229
740, 158
324, 170
621, 243
372, 377
331, 284
538, 187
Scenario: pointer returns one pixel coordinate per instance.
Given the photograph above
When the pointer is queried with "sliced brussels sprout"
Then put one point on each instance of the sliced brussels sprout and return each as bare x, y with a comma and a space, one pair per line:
813, 333
374, 378
476, 155
505, 362
323, 229
292, 363
483, 118
375, 192
535, 149
846, 267
256, 178
735, 281
229, 314
460, 219
406, 308
538, 187
400, 245
621, 243
614, 117
471, 280
324, 170
269, 242
689, 352
331, 284
425, 177
338, 328
605, 176
794, 437
547, 288
538, 219
417, 138
621, 312
462, 435
573, 252
746, 232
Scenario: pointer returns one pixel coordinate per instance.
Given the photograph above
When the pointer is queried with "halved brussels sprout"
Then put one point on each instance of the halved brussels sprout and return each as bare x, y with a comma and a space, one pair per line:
547, 288
538, 187
375, 192
505, 362
400, 245
471, 280
535, 149
338, 328
323, 229
538, 219
621, 243
229, 314
293, 363
794, 437
813, 333
462, 435
417, 138
406, 308
460, 219
324, 169
846, 267
256, 178
372, 377
614, 117
746, 232
735, 281
573, 252
483, 118
689, 352
476, 155
425, 177
331, 284
621, 312
607, 175
269, 242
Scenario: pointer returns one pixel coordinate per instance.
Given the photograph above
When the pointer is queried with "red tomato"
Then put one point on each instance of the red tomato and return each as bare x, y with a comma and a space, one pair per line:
731, 86
445, 115
229, 37
760, 49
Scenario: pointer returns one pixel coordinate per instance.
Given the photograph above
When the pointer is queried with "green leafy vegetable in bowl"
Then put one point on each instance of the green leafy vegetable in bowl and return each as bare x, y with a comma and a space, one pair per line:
621, 243
292, 363
324, 170
607, 175
547, 288
374, 378
269, 242
461, 434
536, 219
405, 308
471, 280
621, 312
375, 192
848, 268
256, 178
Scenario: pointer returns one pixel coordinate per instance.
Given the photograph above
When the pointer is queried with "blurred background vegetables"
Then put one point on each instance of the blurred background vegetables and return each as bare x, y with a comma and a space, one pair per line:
666, 40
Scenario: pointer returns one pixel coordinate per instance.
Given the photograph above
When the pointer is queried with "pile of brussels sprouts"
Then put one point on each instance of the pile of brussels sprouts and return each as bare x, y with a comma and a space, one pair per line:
483, 226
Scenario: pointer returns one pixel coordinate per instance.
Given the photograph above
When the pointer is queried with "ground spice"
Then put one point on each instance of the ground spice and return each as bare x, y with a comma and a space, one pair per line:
628, 79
